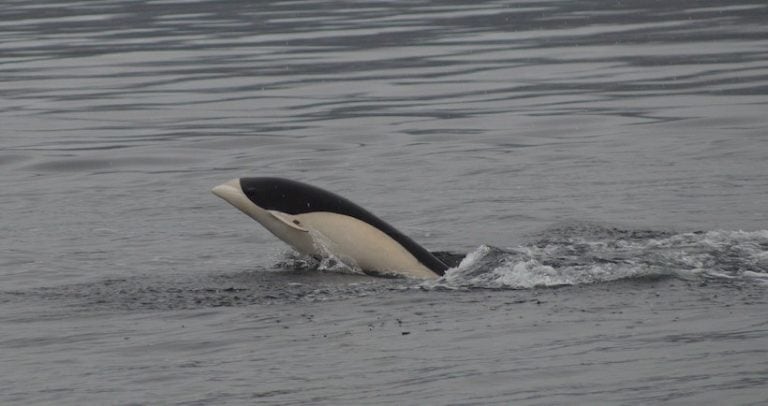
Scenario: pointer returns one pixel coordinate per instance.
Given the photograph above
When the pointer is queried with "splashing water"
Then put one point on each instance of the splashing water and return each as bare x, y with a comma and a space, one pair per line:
611, 254
330, 263
571, 255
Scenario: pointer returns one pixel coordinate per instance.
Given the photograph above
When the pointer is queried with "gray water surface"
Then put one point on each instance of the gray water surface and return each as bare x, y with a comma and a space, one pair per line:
601, 167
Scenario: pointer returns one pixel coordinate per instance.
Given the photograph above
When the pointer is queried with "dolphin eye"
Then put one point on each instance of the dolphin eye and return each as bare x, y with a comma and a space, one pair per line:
296, 222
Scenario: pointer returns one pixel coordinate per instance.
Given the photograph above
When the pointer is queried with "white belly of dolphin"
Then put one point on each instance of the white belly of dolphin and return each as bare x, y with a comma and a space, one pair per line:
357, 243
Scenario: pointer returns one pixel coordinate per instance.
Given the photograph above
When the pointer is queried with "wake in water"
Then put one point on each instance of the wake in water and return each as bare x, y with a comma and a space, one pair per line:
579, 254
576, 254
583, 253
586, 254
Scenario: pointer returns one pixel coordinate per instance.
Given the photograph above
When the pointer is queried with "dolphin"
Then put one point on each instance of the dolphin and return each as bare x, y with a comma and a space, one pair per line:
319, 223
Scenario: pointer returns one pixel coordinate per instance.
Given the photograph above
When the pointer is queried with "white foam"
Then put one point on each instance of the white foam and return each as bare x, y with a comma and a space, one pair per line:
575, 260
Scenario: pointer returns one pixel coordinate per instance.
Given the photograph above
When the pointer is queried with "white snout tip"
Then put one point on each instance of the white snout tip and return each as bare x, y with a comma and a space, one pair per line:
228, 189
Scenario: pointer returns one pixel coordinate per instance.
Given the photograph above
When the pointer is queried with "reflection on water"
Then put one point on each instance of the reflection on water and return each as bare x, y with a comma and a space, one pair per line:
130, 72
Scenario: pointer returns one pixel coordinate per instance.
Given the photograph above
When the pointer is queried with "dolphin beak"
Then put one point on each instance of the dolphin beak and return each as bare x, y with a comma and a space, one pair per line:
229, 191
233, 193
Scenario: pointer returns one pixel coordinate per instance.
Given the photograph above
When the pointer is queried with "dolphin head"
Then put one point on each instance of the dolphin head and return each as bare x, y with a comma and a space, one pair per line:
260, 200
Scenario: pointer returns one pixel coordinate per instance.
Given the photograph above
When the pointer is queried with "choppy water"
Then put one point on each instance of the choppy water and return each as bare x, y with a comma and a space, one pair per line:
598, 169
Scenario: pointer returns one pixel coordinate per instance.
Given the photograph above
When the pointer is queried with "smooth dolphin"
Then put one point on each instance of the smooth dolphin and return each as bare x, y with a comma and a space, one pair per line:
319, 223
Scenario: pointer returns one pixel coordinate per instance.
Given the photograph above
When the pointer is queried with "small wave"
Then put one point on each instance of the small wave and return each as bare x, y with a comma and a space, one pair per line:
298, 262
559, 257
575, 256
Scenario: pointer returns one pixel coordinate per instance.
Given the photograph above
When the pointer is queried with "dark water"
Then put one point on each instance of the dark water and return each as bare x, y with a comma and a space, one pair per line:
601, 167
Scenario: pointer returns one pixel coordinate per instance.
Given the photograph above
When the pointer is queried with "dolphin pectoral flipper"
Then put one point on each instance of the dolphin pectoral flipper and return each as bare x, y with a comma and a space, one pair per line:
288, 220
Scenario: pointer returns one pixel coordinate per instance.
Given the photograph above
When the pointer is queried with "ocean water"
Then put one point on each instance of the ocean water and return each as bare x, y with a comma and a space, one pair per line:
596, 172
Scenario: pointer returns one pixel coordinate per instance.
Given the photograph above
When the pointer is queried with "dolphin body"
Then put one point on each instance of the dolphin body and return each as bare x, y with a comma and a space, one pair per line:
319, 223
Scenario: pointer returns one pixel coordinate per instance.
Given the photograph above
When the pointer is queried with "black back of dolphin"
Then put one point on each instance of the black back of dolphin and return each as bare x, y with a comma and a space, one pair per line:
289, 196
